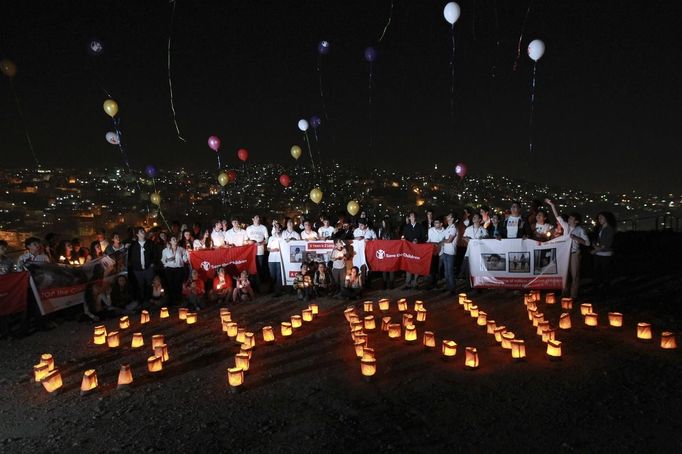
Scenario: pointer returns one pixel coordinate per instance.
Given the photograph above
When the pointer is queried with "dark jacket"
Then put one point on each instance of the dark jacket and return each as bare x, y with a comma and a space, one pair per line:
415, 232
523, 230
151, 255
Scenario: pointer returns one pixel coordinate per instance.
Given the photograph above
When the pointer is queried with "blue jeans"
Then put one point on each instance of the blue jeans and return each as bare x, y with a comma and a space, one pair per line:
449, 270
276, 276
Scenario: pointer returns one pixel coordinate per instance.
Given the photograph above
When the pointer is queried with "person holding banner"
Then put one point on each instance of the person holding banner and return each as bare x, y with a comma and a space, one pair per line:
326, 231
218, 235
515, 226
275, 259
236, 236
414, 232
363, 232
308, 234
449, 242
33, 253
385, 232
290, 234
257, 233
338, 258
436, 235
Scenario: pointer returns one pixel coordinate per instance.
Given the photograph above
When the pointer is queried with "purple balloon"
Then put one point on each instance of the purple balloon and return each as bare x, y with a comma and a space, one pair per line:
151, 171
315, 121
370, 54
323, 47
214, 143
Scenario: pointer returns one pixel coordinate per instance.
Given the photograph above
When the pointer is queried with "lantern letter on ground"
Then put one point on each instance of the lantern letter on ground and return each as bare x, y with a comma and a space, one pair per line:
41, 370
268, 334
124, 322
567, 304
138, 340
394, 330
644, 331
296, 321
144, 317
429, 339
286, 329
154, 363
369, 323
554, 349
615, 319
182, 313
235, 377
113, 339
161, 351
591, 319
368, 306
448, 349
191, 318
384, 304
585, 308
242, 360
550, 298
385, 321
125, 375
158, 339
100, 335
402, 305
89, 381
307, 315
565, 321
668, 341
52, 381
518, 349
470, 358
368, 367
164, 313
410, 334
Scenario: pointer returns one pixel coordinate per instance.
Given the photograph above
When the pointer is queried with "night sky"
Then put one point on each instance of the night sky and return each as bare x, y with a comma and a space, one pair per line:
606, 116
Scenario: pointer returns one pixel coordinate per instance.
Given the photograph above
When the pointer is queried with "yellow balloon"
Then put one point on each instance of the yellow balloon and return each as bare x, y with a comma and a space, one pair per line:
353, 207
155, 198
316, 195
8, 67
223, 179
110, 107
296, 152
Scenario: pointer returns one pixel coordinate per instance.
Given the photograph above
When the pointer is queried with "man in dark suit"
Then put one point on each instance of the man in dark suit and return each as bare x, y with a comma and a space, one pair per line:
414, 232
143, 255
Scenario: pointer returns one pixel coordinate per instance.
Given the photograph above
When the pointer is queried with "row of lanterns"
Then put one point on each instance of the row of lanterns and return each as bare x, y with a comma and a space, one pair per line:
542, 326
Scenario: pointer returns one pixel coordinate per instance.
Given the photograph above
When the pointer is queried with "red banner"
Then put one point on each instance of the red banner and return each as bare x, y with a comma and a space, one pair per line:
395, 255
233, 259
13, 292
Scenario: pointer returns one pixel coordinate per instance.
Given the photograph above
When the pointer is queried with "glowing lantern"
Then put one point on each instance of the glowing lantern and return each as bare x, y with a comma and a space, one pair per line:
144, 317
161, 351
548, 335
100, 335
644, 331
467, 304
585, 308
307, 315
125, 375
565, 321
498, 333
52, 381
249, 340
138, 340
368, 306
410, 334
89, 381
394, 330
315, 308
359, 345
541, 327
268, 334
241, 360
154, 364
182, 313
356, 324
554, 349
385, 321
448, 349
532, 306
296, 321
429, 340
113, 339
507, 337
368, 367
402, 305
527, 298
537, 318
668, 341
591, 319
518, 349
470, 358
407, 319
232, 329
158, 339
535, 295
348, 312
482, 319
124, 322
241, 335
421, 315
235, 377
368, 353
567, 304
225, 317
246, 349
191, 318
531, 314
361, 337
286, 329
384, 304
164, 313
490, 327
355, 332
473, 311
461, 298
419, 306
40, 371
550, 298
354, 319
47, 358
369, 323
615, 319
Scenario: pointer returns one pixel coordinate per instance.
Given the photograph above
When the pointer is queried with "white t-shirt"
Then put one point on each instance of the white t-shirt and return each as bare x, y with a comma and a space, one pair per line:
312, 235
257, 233
436, 236
198, 244
542, 229
367, 233
236, 237
290, 235
274, 243
218, 238
450, 232
512, 224
326, 232
475, 233
174, 260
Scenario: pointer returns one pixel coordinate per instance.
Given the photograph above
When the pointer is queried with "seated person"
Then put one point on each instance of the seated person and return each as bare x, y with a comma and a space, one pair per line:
243, 292
322, 280
222, 287
157, 299
303, 284
352, 288
194, 291
120, 295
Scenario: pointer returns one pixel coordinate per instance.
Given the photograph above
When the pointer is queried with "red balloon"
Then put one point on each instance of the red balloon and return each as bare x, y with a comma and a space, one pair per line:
243, 154
284, 180
461, 169
231, 176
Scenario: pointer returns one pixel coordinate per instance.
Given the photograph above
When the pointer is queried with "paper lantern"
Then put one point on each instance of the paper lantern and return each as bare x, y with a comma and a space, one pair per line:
225, 317
531, 314
357, 324
554, 349
527, 298
550, 298
89, 381
40, 371
161, 351
384, 304
370, 323
138, 340
418, 305
113, 339
268, 334
144, 317
158, 339
242, 360
246, 349
315, 308
615, 319
490, 327
565, 321
518, 349
585, 308
182, 313
402, 305
507, 337
591, 320
232, 329
429, 340
482, 319
164, 313
52, 381
541, 327
361, 337
307, 315
191, 318
470, 358
154, 364
48, 359
354, 332
461, 298
567, 304
241, 335
100, 335
668, 341
296, 321
385, 321
348, 312
532, 306
359, 345
548, 335
124, 322
467, 304
368, 306
535, 295
235, 377
354, 319
473, 311
410, 334
249, 339
644, 331
125, 375
286, 329
394, 330
368, 353
407, 319
498, 333
448, 349
421, 315
537, 318
368, 367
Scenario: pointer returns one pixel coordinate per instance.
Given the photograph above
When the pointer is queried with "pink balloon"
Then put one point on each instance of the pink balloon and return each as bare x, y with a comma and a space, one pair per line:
461, 169
214, 143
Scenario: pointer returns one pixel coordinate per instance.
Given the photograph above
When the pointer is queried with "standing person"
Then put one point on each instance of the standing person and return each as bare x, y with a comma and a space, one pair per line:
174, 257
290, 234
326, 231
187, 242
603, 252
578, 237
338, 258
275, 259
449, 242
485, 216
258, 234
308, 233
363, 232
203, 242
218, 235
414, 232
515, 226
115, 244
495, 227
542, 231
236, 236
386, 233
142, 259
428, 222
33, 253
6, 263
102, 239
475, 231
196, 230
435, 236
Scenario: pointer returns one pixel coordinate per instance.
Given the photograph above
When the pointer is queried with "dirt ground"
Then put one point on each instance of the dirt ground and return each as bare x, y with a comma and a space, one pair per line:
609, 393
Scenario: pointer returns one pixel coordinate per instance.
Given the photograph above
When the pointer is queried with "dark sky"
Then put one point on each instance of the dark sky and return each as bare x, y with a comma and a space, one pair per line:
607, 111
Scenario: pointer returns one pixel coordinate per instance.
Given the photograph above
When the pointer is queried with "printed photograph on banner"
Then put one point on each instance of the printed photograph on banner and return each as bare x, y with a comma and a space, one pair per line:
494, 262
296, 254
519, 262
313, 256
545, 262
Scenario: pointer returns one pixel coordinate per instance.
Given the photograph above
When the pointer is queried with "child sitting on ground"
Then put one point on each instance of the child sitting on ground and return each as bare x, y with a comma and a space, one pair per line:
222, 287
303, 284
194, 291
322, 280
156, 300
352, 288
243, 292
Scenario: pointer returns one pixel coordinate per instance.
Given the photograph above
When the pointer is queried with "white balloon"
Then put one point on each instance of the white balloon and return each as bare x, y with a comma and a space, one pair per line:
536, 49
112, 138
303, 124
451, 12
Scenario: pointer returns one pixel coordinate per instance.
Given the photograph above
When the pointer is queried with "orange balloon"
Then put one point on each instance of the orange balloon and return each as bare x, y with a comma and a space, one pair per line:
8, 67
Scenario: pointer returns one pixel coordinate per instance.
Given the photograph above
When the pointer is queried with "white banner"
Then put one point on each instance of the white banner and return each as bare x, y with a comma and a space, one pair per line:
516, 263
296, 252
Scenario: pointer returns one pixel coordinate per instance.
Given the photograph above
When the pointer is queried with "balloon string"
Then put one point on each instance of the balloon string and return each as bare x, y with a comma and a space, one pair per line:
217, 153
319, 78
390, 16
170, 82
23, 122
124, 155
523, 28
532, 110
369, 107
493, 70
310, 152
452, 76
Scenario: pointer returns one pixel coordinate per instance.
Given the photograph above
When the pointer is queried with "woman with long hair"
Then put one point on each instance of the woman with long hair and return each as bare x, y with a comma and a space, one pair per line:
602, 251
174, 259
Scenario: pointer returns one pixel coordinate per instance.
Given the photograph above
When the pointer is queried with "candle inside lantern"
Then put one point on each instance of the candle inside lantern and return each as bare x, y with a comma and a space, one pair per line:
418, 305
370, 324
361, 337
307, 315
125, 375
668, 341
384, 304
164, 313
567, 304
385, 321
490, 327
394, 330
249, 339
531, 314
402, 305
296, 321
507, 337
541, 327
144, 317
235, 376
527, 298
548, 334
421, 315
138, 340
550, 298
286, 329
52, 381
532, 306
470, 357
246, 349
407, 319
158, 339
232, 329
225, 317
498, 333
100, 335
585, 308
354, 319
473, 311
359, 345
482, 319
182, 313
554, 349
368, 367
241, 335
410, 333
89, 381
461, 298
40, 371
113, 339
368, 353
154, 363
518, 349
448, 348
348, 312
124, 322
268, 334
537, 318
368, 306
48, 359
242, 360
644, 331
354, 332
467, 304
591, 319
565, 321
314, 308
191, 318
615, 319
161, 350
429, 340
535, 294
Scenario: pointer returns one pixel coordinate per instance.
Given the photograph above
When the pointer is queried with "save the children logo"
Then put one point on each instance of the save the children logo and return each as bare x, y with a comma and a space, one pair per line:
205, 265
380, 254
